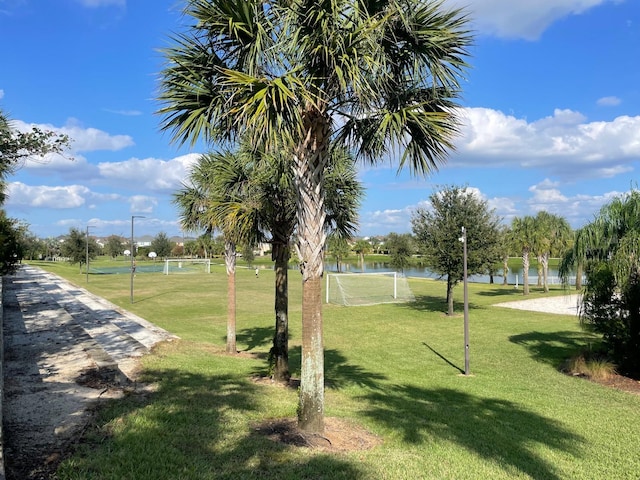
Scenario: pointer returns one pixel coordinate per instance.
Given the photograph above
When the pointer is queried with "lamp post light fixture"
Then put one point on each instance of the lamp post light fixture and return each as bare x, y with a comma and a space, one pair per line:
463, 239
87, 251
133, 254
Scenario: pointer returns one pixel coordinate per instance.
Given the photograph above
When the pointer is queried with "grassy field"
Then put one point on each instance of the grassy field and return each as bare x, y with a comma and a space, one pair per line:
392, 369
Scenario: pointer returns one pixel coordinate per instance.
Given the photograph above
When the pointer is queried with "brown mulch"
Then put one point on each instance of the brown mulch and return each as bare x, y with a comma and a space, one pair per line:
339, 435
619, 382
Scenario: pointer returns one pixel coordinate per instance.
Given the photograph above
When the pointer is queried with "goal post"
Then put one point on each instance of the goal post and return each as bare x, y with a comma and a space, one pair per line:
186, 265
367, 288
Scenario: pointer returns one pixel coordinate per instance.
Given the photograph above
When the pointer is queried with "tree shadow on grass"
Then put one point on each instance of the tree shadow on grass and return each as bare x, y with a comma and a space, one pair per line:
428, 303
256, 337
338, 371
495, 429
554, 347
192, 427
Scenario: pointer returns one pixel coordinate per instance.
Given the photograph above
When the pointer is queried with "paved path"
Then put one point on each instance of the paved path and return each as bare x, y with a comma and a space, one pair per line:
64, 349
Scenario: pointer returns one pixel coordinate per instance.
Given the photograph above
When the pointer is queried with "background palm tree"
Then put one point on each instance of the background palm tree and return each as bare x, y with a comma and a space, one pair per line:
202, 203
522, 238
380, 76
553, 236
610, 248
255, 197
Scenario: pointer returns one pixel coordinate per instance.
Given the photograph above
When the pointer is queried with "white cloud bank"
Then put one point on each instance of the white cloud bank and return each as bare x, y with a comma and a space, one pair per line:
526, 19
564, 144
82, 139
149, 174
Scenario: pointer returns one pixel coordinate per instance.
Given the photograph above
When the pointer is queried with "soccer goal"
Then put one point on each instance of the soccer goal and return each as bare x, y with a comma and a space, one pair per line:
187, 265
367, 288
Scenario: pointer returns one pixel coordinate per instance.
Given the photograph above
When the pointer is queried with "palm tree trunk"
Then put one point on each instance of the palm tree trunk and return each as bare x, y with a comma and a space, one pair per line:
310, 163
525, 272
545, 271
540, 271
279, 355
230, 263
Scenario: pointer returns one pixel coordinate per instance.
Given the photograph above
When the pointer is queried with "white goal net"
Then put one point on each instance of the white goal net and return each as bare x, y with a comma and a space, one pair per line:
367, 288
187, 265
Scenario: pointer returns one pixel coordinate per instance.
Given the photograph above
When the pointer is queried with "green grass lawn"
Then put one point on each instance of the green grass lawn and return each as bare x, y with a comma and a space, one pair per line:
392, 369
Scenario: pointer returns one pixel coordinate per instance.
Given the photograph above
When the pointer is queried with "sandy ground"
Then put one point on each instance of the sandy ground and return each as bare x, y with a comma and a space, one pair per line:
564, 305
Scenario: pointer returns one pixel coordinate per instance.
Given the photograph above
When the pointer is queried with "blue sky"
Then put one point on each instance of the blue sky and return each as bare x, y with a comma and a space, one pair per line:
551, 112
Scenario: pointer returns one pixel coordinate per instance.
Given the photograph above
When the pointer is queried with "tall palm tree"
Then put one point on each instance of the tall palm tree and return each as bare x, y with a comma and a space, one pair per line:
201, 203
381, 76
264, 211
523, 234
553, 236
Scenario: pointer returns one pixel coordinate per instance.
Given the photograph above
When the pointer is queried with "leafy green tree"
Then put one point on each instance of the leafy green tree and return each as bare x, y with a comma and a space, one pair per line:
247, 253
178, 251
75, 247
30, 245
438, 231
162, 245
16, 146
382, 77
115, 246
11, 249
191, 248
401, 248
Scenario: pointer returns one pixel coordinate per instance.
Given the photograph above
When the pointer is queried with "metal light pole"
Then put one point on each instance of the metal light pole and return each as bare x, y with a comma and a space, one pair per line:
133, 254
87, 251
466, 303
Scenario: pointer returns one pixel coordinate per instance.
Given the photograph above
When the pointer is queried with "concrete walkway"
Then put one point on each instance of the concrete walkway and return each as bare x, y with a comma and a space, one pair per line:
64, 349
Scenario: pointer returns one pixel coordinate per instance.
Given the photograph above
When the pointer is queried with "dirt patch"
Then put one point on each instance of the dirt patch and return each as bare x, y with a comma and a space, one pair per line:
35, 448
618, 382
339, 435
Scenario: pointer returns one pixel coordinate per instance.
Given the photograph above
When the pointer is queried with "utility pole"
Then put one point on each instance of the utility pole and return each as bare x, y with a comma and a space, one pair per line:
87, 251
466, 303
133, 264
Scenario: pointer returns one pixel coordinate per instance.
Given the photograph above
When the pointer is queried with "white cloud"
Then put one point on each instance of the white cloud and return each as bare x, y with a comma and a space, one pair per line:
1, 94
564, 144
83, 139
548, 197
150, 173
142, 204
609, 101
521, 19
60, 197
102, 3
71, 196
126, 113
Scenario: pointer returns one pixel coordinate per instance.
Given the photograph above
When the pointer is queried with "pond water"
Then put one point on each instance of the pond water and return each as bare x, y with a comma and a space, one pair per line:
514, 277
